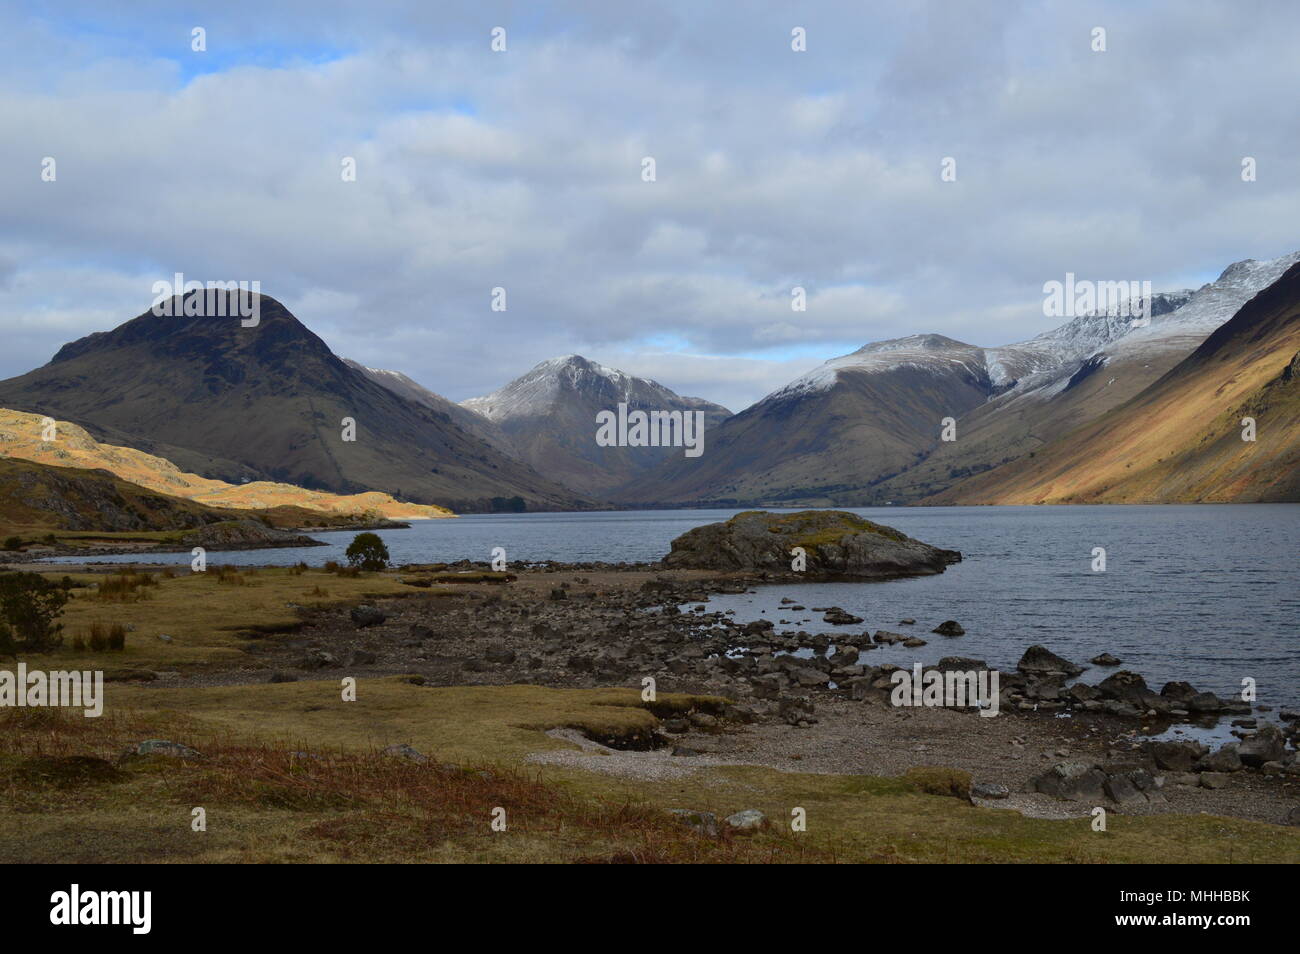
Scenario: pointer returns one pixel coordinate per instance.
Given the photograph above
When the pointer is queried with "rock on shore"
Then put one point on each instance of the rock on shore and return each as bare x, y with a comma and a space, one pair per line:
245, 535
836, 544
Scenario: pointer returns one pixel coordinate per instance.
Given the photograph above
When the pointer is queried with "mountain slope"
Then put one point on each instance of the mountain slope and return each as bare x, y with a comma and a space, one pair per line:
549, 417
829, 435
21, 437
465, 419
1125, 359
268, 401
1179, 440
37, 497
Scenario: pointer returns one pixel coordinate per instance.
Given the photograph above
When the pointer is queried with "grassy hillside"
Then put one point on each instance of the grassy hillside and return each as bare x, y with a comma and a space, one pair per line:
72, 505
21, 436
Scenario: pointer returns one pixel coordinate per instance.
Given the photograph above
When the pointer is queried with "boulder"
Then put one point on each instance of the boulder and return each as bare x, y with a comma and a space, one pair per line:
163, 747
835, 544
1124, 686
838, 617
1179, 691
1105, 659
1225, 760
363, 616
1122, 790
1266, 745
989, 790
1039, 659
949, 627
405, 752
749, 820
1075, 781
318, 659
706, 823
1175, 756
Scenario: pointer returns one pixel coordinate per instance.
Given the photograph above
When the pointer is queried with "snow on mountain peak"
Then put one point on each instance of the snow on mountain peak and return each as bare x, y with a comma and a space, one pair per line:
536, 392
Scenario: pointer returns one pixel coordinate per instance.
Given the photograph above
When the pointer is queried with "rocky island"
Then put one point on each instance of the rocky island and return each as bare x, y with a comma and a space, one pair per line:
810, 544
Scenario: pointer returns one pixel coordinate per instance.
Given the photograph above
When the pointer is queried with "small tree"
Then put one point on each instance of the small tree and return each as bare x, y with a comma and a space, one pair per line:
367, 552
29, 605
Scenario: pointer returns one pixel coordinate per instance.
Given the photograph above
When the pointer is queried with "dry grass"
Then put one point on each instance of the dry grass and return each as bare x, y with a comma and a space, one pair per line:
268, 802
204, 613
347, 803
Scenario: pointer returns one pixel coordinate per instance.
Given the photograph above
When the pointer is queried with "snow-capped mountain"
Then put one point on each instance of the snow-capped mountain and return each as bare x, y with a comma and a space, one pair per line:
549, 416
537, 392
922, 352
865, 427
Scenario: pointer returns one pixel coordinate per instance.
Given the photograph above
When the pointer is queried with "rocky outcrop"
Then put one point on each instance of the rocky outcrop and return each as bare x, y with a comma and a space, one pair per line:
245, 535
834, 544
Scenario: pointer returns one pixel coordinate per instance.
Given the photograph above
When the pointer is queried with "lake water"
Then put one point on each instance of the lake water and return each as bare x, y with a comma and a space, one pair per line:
1208, 594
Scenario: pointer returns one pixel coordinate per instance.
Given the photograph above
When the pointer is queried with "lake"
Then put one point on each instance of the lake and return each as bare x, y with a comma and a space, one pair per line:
1209, 594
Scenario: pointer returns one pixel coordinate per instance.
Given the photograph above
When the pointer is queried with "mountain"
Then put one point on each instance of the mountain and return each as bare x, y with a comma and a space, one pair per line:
828, 435
1180, 440
22, 436
549, 417
269, 402
1110, 366
465, 419
865, 428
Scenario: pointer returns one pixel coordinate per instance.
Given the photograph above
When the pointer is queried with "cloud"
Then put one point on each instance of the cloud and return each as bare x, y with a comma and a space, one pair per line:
523, 170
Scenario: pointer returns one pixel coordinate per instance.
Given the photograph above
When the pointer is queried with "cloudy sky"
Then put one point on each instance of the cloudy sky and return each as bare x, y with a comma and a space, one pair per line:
523, 169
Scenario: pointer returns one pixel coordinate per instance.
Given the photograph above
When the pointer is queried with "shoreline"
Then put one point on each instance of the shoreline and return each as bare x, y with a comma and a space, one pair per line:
596, 625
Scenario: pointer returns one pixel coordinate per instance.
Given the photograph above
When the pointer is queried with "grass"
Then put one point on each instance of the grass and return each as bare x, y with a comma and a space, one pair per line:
348, 803
208, 615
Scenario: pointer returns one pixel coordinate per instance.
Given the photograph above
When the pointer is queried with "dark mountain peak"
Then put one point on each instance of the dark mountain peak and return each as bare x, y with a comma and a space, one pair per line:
221, 330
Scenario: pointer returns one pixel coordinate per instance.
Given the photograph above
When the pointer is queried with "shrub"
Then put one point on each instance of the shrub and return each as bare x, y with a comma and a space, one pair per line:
367, 552
13, 543
29, 605
227, 574
126, 588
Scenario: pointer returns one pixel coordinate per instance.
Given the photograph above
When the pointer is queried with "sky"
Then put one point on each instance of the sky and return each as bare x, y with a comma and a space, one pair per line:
523, 169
